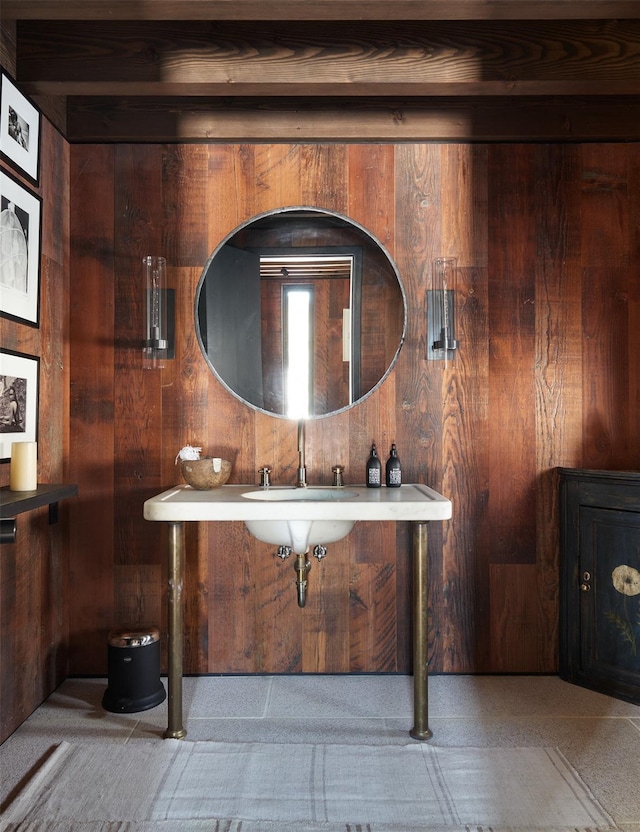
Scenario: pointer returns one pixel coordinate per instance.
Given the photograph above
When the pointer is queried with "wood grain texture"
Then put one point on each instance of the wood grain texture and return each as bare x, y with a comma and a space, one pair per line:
34, 571
634, 290
325, 622
514, 618
419, 382
93, 406
575, 57
354, 119
537, 314
546, 70
465, 389
512, 309
319, 9
559, 361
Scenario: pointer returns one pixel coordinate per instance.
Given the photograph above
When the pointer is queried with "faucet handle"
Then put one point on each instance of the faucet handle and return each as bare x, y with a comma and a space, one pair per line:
264, 476
337, 475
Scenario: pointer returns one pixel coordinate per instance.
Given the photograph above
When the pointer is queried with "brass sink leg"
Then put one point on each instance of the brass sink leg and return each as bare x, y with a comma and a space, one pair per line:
420, 730
176, 581
302, 567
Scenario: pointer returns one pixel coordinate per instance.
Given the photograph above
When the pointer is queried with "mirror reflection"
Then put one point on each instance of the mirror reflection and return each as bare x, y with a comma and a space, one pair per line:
300, 312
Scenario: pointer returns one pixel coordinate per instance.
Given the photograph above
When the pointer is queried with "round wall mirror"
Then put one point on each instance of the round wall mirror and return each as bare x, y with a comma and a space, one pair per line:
300, 312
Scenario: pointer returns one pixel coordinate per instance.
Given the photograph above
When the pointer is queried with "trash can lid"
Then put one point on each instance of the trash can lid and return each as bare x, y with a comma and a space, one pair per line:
133, 637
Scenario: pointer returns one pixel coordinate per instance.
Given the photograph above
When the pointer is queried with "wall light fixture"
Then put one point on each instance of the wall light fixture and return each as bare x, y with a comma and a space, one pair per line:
441, 337
160, 314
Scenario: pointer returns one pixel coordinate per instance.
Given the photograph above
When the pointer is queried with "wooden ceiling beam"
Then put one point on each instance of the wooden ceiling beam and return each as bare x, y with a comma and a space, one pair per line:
299, 88
409, 70
256, 120
319, 9
304, 59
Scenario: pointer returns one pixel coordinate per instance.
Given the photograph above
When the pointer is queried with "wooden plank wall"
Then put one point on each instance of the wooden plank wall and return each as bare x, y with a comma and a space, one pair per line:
33, 570
548, 307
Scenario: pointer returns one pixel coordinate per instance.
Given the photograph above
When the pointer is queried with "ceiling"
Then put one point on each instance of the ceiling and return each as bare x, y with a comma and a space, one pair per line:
329, 70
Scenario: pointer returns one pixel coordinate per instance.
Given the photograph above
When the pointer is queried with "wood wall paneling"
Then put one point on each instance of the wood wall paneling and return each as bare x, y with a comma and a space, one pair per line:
609, 291
34, 571
558, 380
512, 280
418, 382
514, 618
634, 291
93, 406
538, 309
465, 423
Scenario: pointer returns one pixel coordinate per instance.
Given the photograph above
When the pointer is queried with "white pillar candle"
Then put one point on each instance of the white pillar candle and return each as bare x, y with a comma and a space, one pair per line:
23, 475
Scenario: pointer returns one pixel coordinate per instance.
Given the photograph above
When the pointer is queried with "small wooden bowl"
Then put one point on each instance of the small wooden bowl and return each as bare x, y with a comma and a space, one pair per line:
201, 473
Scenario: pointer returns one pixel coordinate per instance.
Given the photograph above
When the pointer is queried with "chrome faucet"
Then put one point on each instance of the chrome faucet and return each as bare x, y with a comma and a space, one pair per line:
302, 470
264, 477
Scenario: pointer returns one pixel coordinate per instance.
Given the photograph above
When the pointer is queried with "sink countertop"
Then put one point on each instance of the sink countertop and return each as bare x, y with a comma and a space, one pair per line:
409, 502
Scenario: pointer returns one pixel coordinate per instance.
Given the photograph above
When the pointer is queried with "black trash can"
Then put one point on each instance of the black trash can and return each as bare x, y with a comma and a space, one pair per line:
134, 671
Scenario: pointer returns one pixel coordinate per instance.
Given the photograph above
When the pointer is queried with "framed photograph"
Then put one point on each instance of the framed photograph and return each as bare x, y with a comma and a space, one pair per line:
20, 232
19, 131
19, 382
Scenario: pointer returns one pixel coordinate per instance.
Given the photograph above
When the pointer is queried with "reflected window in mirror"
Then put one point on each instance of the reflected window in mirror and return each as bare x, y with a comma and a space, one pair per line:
332, 278
298, 350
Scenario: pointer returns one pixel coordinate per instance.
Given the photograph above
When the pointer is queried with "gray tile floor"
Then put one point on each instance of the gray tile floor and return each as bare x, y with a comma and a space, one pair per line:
600, 736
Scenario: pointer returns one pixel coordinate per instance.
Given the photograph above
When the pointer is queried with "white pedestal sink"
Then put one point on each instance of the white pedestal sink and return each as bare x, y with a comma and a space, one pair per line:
418, 504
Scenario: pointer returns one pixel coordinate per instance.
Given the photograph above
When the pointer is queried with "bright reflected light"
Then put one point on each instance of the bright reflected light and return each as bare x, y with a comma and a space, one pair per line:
298, 352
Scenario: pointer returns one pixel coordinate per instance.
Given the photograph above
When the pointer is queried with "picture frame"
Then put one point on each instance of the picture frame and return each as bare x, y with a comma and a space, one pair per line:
19, 130
19, 392
21, 227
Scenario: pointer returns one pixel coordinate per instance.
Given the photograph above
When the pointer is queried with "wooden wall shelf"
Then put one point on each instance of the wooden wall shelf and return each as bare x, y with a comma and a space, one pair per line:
17, 502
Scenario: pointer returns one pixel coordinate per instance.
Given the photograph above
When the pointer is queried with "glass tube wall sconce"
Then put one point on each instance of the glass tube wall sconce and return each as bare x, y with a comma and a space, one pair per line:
159, 319
441, 337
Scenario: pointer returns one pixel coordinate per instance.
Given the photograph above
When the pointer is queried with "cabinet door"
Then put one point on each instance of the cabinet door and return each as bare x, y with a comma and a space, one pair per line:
609, 578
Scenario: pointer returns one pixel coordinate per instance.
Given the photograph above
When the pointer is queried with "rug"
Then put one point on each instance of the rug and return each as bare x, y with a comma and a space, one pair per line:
260, 787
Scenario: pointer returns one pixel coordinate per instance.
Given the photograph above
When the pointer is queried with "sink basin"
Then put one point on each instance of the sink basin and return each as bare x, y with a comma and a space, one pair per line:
300, 494
300, 535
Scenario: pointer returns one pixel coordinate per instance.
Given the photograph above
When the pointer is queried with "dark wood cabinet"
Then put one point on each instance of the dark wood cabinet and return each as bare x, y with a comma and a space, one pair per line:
600, 581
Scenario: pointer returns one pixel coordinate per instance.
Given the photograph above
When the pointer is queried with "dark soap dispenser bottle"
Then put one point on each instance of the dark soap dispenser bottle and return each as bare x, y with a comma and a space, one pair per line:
374, 469
394, 469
